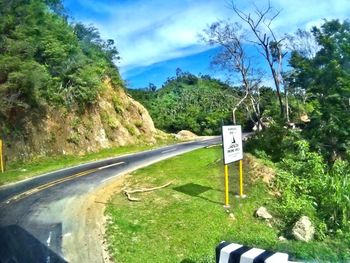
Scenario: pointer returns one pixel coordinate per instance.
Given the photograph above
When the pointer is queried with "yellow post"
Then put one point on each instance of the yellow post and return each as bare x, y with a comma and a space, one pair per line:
226, 186
1, 158
240, 178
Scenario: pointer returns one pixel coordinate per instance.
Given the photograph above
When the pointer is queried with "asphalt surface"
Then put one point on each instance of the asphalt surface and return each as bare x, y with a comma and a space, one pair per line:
31, 223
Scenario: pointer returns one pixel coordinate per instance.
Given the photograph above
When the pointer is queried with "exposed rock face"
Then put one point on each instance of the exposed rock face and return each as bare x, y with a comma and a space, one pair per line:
115, 120
263, 213
303, 229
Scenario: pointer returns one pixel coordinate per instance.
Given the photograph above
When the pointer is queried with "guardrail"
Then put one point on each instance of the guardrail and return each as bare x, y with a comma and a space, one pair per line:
235, 253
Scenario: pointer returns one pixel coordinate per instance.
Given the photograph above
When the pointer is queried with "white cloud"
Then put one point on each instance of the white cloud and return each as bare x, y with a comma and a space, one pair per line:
148, 32
152, 31
303, 13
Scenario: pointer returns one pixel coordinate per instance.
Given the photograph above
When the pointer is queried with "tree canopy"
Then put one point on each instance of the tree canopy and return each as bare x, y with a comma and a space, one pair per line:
199, 104
45, 60
326, 81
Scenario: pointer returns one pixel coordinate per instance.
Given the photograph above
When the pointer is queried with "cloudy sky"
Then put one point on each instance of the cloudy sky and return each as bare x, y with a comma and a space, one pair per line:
154, 37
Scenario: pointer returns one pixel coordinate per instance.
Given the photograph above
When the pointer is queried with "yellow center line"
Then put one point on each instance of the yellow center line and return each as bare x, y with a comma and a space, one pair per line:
47, 185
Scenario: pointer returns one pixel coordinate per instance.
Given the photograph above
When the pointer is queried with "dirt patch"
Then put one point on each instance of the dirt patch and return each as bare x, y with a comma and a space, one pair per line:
86, 213
258, 170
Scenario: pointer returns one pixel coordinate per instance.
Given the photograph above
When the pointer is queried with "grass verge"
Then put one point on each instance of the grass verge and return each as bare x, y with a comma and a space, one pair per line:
185, 221
22, 170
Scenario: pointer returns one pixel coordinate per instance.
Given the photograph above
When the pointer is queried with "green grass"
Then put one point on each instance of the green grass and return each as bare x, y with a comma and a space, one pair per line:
22, 170
185, 221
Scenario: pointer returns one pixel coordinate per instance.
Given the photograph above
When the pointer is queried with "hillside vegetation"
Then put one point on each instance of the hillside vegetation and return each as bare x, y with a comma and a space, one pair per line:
59, 87
314, 163
187, 102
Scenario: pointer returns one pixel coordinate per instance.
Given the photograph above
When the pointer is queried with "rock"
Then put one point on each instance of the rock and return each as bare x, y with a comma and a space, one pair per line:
232, 216
185, 135
305, 118
262, 213
282, 238
303, 229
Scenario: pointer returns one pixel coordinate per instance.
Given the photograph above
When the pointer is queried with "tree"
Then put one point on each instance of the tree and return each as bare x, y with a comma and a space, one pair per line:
303, 42
326, 79
188, 102
152, 87
268, 43
233, 57
45, 60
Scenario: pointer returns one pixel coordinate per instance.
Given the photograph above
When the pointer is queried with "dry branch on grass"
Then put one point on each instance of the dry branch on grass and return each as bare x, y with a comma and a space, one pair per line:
129, 192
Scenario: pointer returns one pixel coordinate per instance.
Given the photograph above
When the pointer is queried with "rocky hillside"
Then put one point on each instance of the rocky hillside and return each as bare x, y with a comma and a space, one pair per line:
115, 120
60, 91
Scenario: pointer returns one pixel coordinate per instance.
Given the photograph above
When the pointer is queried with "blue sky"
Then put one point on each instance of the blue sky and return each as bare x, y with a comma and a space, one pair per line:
154, 37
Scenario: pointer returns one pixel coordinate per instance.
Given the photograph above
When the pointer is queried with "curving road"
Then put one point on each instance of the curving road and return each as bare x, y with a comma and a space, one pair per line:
36, 215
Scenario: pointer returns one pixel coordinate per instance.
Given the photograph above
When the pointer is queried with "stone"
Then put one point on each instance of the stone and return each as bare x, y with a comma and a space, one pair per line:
282, 238
263, 213
232, 216
303, 229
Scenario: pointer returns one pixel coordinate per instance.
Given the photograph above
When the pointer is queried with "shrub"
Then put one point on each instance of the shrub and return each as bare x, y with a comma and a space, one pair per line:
275, 141
309, 187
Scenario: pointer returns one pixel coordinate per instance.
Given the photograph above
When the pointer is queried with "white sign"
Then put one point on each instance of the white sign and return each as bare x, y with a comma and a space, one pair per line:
232, 143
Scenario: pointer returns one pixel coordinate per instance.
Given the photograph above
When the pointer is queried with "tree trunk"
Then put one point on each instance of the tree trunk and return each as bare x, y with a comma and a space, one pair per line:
238, 104
278, 91
286, 103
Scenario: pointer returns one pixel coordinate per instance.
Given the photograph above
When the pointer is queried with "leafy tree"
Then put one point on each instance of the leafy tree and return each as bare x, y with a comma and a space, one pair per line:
199, 104
326, 79
46, 61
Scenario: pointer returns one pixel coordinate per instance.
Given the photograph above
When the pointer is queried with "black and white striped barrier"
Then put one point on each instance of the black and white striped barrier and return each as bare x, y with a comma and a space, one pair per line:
234, 253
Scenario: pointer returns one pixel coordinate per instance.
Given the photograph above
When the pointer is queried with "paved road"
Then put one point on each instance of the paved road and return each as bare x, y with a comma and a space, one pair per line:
31, 212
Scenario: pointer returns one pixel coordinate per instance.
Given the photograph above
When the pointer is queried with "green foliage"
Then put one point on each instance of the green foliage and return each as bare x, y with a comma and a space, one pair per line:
307, 185
312, 189
313, 164
117, 104
74, 138
109, 120
273, 142
131, 129
187, 102
336, 204
45, 60
326, 79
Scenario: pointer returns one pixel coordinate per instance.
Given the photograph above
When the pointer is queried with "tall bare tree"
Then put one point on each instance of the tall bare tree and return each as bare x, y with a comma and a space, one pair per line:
269, 45
233, 57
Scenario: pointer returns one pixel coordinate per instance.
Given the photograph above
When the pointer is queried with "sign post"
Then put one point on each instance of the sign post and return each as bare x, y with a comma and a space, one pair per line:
227, 205
233, 151
241, 178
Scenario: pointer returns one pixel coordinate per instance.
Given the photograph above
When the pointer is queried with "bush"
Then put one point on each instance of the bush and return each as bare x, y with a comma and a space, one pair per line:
274, 142
309, 187
307, 184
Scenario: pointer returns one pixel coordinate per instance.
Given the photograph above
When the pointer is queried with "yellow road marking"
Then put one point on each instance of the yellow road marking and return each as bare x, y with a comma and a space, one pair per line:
47, 185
